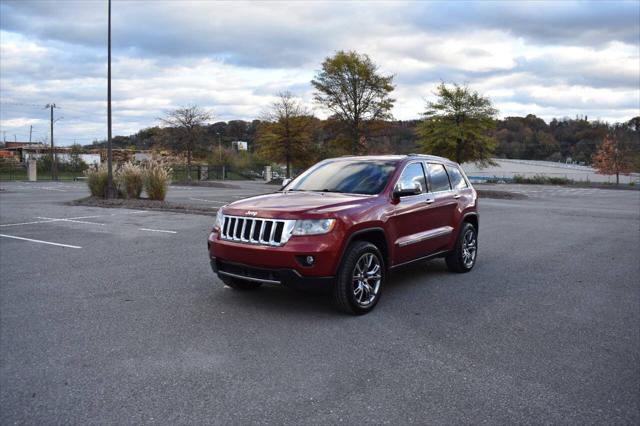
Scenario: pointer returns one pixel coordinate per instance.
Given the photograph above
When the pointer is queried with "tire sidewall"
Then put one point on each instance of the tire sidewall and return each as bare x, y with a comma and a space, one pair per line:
466, 226
353, 254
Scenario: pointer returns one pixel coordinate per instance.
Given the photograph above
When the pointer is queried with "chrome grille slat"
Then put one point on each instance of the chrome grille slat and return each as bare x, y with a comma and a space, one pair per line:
262, 229
234, 228
244, 226
274, 225
253, 225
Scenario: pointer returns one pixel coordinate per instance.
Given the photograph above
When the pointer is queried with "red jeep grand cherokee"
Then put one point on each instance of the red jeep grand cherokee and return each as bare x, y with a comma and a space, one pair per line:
344, 223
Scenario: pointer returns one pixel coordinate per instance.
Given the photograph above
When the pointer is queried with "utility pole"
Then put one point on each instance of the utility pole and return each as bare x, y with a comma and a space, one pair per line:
110, 191
219, 148
30, 132
54, 157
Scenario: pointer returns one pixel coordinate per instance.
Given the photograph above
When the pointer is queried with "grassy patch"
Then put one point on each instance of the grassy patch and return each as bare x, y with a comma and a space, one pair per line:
143, 204
501, 195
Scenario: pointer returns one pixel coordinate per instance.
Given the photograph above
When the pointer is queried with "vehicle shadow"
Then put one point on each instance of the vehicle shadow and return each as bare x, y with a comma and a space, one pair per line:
272, 299
277, 299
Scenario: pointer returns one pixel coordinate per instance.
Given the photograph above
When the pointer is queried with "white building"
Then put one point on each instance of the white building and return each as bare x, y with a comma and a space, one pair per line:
89, 159
240, 145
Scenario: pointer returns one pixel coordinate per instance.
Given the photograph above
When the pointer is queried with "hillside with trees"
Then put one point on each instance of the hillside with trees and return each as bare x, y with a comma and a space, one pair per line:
529, 138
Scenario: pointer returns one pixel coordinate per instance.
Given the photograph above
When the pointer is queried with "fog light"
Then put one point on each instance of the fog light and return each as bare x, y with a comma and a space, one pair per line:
309, 260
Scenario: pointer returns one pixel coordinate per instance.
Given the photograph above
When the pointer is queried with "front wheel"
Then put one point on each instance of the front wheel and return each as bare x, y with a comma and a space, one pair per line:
463, 256
360, 279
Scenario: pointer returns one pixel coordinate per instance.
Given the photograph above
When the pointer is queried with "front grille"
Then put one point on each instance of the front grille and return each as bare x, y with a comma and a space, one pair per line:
268, 232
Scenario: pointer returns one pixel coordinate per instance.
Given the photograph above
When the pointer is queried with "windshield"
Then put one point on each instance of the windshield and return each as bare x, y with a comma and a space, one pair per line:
367, 177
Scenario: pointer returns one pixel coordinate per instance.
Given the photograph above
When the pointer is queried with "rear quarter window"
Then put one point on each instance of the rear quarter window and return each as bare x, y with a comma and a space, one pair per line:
455, 176
438, 177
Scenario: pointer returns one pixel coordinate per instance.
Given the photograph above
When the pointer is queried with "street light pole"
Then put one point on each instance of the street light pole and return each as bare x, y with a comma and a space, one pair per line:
54, 157
109, 193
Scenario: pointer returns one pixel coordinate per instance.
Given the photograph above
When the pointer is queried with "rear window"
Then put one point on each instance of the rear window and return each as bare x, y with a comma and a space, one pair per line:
438, 177
457, 181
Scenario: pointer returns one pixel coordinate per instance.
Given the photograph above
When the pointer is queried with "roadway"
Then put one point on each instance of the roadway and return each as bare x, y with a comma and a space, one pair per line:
120, 321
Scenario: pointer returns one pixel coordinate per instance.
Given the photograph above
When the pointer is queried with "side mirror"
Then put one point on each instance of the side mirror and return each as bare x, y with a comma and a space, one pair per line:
405, 189
285, 182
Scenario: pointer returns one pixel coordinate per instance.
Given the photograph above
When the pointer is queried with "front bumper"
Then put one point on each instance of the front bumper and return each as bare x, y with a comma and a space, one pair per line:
279, 276
325, 249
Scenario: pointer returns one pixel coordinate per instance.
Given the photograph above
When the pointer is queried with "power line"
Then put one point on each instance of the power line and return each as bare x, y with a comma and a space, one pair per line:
20, 104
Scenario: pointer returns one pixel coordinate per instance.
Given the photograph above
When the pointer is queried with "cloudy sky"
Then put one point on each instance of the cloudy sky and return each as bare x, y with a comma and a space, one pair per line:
553, 59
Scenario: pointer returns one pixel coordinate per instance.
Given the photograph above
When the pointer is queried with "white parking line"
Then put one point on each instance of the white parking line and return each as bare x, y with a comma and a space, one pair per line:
47, 188
158, 230
209, 201
51, 219
39, 241
25, 223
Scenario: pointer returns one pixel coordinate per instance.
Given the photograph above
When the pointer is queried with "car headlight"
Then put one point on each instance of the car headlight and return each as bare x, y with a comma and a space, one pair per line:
313, 226
217, 225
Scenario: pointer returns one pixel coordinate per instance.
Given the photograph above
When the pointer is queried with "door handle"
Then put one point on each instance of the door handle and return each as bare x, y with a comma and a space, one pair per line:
456, 196
429, 200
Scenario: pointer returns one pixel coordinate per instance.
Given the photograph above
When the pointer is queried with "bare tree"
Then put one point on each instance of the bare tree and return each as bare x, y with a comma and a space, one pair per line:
189, 121
287, 131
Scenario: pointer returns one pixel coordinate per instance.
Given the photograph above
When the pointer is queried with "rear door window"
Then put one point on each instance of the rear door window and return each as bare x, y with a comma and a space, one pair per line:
457, 181
438, 177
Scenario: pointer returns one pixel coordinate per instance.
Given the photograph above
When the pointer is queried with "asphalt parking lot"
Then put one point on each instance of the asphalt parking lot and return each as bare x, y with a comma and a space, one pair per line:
113, 316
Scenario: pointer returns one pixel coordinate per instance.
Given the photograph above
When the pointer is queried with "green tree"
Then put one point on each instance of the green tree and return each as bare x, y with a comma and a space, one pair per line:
350, 86
189, 121
458, 125
286, 134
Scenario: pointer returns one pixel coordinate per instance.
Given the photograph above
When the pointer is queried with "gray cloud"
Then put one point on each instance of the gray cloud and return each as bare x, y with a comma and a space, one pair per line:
233, 57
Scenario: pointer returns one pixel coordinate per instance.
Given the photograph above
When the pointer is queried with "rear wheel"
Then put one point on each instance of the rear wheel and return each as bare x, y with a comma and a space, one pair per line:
463, 257
238, 284
360, 279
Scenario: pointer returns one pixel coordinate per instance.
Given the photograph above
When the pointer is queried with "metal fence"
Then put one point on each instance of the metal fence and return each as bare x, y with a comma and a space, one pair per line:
213, 172
14, 170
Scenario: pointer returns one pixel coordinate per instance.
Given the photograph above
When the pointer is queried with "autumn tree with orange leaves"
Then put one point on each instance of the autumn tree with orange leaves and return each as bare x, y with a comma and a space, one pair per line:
612, 157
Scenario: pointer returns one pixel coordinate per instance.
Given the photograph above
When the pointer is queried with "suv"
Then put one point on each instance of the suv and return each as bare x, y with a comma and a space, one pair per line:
345, 223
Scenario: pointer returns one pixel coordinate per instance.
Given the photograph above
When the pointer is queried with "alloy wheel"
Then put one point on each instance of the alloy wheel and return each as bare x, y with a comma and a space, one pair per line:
469, 248
367, 277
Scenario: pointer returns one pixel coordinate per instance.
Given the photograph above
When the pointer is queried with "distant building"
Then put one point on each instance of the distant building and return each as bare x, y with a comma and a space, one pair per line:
63, 156
16, 145
23, 151
240, 145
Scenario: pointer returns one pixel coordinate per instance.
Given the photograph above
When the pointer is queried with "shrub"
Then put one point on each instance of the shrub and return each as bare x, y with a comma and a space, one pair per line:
97, 180
129, 179
542, 180
157, 178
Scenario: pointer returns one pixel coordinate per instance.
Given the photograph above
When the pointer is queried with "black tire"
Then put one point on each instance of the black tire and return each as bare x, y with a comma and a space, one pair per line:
358, 301
458, 260
238, 284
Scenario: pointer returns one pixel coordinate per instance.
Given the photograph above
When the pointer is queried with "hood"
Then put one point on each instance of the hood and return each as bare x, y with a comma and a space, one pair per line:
286, 203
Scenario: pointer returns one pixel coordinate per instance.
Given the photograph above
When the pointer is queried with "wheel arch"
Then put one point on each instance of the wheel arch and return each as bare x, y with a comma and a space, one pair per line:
472, 218
374, 235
